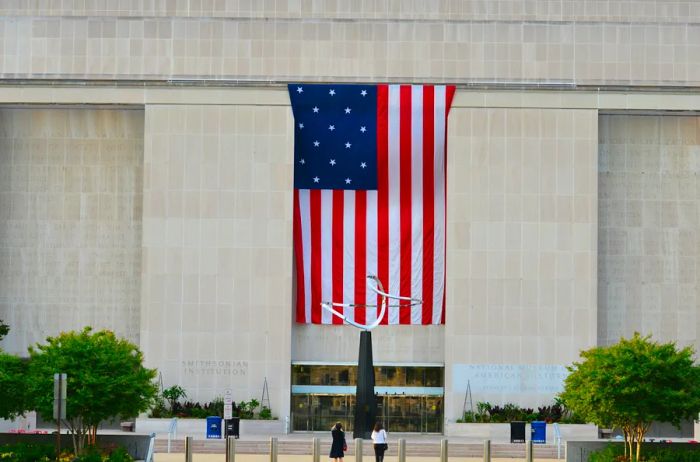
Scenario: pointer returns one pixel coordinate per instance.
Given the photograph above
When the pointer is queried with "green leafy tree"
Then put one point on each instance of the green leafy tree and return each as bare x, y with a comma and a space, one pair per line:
106, 379
631, 384
13, 383
4, 330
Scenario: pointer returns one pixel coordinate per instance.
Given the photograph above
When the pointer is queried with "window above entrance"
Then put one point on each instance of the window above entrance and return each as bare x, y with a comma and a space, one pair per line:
385, 376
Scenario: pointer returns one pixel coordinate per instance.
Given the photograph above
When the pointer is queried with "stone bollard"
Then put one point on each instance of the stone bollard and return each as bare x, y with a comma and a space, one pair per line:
487, 451
528, 451
230, 449
273, 449
188, 449
316, 449
358, 449
402, 450
443, 450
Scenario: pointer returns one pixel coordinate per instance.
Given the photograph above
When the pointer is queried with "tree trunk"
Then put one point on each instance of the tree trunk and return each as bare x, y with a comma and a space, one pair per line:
641, 430
628, 442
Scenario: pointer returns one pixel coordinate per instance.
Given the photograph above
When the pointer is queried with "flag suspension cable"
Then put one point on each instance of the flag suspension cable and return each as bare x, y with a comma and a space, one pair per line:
379, 290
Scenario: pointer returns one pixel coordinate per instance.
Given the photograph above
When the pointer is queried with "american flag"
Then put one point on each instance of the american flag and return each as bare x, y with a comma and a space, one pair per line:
369, 199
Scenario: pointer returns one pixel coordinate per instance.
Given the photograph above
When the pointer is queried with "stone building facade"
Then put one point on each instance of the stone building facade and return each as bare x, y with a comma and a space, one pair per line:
146, 186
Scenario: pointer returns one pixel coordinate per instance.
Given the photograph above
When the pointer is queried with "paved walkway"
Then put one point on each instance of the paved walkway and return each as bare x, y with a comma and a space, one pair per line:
299, 458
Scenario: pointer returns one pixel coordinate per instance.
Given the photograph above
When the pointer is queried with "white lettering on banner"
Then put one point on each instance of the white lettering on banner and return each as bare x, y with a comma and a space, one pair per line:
509, 378
213, 367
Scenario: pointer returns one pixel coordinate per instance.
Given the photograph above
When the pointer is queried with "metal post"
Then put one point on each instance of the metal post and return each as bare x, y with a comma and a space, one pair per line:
188, 449
316, 449
273, 449
358, 449
230, 449
487, 451
528, 451
402, 450
443, 450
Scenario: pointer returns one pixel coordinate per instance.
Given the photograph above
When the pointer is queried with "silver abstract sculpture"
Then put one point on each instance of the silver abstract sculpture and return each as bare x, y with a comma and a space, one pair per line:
379, 290
365, 399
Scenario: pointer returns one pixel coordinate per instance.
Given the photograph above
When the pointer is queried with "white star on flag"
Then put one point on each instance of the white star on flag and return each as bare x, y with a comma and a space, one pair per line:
363, 164
301, 126
347, 145
347, 110
316, 179
302, 162
348, 181
363, 129
331, 92
331, 127
317, 144
363, 92
315, 108
332, 162
300, 90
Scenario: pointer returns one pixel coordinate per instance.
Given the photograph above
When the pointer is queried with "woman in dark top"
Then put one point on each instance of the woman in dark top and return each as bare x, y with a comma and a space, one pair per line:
338, 446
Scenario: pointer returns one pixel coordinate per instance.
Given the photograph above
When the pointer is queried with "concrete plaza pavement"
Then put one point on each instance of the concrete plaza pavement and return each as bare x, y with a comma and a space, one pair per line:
180, 457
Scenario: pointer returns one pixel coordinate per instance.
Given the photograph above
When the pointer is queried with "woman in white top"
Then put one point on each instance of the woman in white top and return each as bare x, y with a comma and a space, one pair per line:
379, 438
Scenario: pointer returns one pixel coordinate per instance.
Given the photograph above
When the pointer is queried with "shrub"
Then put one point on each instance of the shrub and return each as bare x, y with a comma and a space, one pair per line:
510, 412
216, 407
173, 395
90, 454
654, 452
27, 452
265, 413
159, 410
246, 409
120, 455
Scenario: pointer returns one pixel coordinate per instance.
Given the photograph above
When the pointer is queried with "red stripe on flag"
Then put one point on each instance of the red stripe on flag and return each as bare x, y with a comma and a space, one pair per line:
428, 203
337, 252
316, 270
449, 95
360, 255
299, 260
405, 207
383, 190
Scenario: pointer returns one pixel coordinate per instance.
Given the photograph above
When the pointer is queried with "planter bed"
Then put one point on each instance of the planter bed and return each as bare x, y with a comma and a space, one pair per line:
500, 432
197, 427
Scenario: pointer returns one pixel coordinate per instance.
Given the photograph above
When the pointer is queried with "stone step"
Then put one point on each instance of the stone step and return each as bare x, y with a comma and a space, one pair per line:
431, 449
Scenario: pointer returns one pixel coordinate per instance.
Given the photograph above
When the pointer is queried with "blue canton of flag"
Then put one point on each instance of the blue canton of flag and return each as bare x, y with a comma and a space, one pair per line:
335, 136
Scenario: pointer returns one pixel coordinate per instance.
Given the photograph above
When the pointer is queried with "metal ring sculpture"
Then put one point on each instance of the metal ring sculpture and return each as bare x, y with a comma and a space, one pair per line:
379, 290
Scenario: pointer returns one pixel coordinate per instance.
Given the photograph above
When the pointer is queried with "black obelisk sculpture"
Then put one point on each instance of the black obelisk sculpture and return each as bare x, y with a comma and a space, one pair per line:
365, 401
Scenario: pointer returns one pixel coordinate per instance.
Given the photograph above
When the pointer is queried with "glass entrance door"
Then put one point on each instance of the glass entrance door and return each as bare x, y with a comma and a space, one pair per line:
414, 414
320, 412
399, 413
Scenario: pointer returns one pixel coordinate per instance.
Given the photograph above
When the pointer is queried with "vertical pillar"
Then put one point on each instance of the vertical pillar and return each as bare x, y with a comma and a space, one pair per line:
402, 450
230, 449
487, 451
188, 449
316, 449
358, 449
443, 450
273, 449
365, 401
528, 451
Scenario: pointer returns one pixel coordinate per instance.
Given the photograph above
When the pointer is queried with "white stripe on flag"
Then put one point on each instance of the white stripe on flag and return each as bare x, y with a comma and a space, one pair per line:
306, 249
349, 252
326, 252
394, 198
416, 202
371, 297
